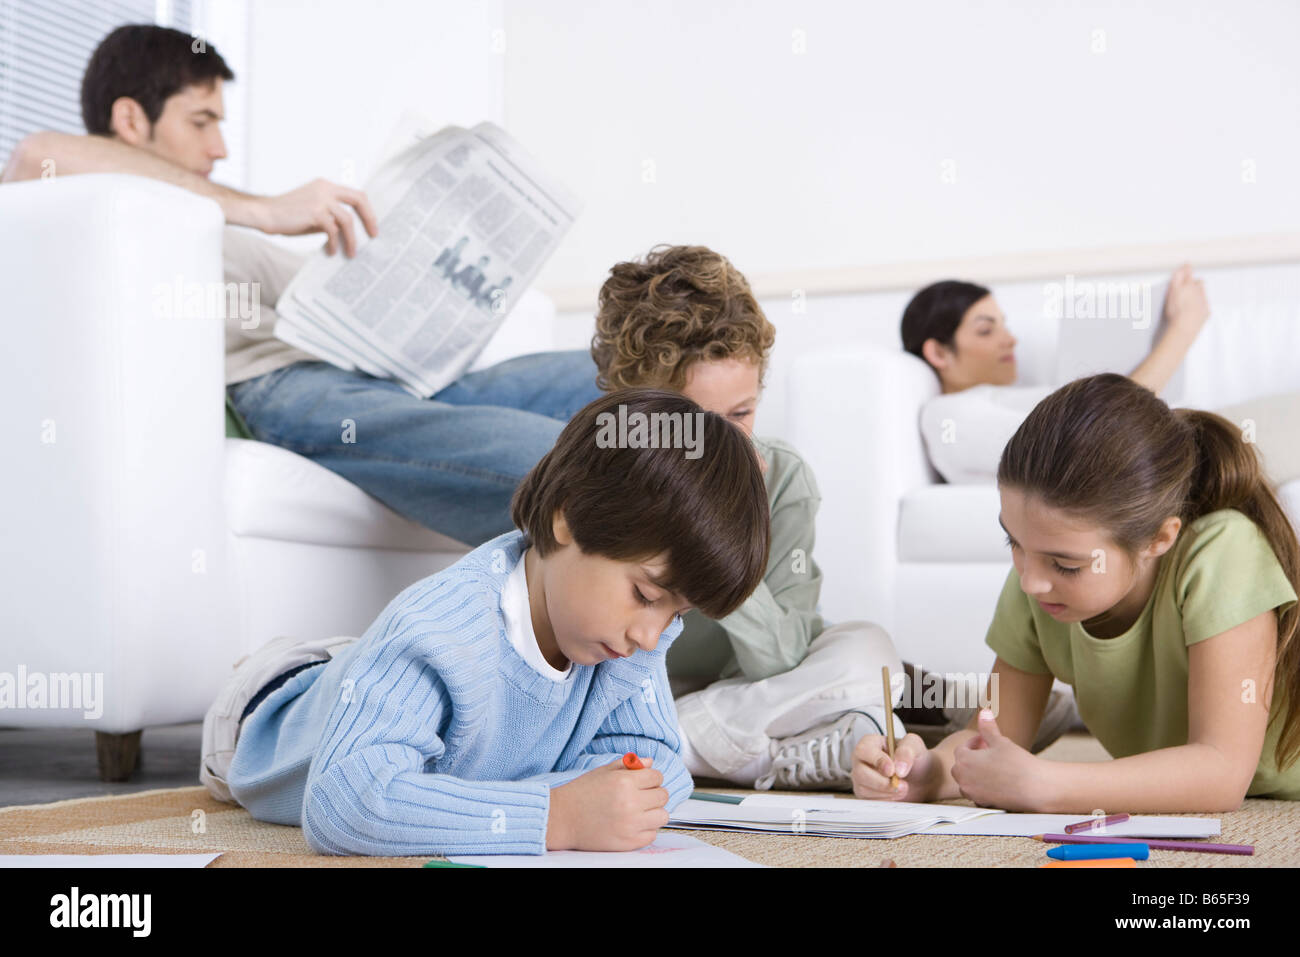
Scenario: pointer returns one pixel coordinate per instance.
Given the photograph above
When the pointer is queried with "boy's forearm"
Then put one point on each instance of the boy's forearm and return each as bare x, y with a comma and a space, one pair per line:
66, 154
1188, 778
417, 812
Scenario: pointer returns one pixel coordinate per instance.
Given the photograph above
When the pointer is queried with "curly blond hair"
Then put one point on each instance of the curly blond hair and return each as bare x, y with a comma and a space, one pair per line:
683, 304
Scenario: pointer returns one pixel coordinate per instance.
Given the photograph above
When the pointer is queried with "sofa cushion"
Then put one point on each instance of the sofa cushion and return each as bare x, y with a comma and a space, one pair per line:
277, 494
951, 523
959, 523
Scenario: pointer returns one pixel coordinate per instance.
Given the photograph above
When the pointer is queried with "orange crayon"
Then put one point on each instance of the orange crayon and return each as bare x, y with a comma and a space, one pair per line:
1094, 862
632, 762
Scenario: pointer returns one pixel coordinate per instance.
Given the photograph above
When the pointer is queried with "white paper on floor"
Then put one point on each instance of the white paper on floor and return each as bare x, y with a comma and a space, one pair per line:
1029, 825
107, 860
668, 850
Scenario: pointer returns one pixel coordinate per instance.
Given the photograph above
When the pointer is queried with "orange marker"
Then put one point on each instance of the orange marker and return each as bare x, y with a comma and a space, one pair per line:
632, 762
1095, 862
889, 723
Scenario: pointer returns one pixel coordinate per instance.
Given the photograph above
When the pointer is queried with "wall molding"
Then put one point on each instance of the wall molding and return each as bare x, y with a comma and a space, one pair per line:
1253, 250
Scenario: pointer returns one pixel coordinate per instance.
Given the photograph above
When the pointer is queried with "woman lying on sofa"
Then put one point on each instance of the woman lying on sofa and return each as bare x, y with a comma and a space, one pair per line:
959, 330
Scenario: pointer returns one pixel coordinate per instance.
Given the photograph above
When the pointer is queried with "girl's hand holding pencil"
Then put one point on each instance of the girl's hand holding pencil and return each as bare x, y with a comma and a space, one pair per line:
617, 807
913, 763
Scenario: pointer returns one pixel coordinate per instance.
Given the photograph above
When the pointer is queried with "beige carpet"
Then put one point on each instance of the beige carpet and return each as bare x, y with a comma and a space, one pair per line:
189, 821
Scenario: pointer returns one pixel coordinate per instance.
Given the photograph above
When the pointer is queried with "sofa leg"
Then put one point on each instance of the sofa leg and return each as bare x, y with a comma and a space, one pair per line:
117, 754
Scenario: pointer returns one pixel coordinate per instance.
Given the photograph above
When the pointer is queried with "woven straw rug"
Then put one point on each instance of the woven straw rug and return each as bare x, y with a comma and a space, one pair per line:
189, 820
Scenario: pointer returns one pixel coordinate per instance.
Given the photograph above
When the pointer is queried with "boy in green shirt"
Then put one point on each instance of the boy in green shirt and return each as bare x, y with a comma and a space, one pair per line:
770, 695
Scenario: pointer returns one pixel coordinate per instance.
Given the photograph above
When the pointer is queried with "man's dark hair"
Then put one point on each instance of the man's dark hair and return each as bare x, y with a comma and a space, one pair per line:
707, 513
148, 64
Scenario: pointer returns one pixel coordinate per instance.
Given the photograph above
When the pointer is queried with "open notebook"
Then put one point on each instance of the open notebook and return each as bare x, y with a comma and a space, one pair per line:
848, 817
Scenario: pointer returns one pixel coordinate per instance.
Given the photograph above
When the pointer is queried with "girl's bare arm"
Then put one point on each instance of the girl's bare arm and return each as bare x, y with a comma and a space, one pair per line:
1229, 689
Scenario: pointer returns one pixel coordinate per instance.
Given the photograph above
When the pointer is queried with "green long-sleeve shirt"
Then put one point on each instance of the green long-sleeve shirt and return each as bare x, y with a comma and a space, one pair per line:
769, 634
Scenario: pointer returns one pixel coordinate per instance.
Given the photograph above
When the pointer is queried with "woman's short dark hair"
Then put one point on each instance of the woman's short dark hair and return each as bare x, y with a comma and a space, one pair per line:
699, 499
935, 313
149, 64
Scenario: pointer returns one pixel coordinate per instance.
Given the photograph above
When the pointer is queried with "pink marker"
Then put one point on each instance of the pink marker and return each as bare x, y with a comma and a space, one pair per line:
1095, 823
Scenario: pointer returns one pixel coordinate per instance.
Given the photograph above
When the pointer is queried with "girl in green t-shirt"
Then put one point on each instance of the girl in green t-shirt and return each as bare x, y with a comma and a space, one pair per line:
1155, 572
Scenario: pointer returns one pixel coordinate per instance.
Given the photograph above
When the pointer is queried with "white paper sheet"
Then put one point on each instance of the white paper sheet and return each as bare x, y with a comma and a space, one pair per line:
760, 812
827, 817
668, 850
107, 860
1029, 825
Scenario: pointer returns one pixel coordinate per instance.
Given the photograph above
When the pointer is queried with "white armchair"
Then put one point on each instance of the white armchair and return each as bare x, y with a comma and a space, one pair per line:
145, 551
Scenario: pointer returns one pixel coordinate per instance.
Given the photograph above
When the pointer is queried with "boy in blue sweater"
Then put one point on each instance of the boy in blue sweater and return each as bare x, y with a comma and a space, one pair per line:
486, 710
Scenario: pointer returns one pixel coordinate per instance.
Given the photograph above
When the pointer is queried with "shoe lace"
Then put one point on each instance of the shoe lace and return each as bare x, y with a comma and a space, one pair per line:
811, 762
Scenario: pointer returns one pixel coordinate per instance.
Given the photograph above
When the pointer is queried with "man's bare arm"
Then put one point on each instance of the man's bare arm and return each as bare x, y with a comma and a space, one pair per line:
320, 206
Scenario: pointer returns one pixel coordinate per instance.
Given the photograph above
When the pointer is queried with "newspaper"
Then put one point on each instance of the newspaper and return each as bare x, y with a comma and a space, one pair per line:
466, 220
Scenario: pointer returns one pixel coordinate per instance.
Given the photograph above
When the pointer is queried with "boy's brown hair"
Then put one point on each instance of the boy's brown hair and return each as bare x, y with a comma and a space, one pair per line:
707, 513
654, 319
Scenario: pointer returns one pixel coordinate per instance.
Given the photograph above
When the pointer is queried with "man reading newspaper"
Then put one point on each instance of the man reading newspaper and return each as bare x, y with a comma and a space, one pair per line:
152, 106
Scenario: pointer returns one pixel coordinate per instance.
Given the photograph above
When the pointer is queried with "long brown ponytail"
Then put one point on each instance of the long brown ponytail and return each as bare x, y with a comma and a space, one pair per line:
1110, 451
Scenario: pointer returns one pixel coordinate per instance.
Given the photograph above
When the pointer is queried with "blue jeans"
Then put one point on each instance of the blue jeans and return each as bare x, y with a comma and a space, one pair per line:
450, 462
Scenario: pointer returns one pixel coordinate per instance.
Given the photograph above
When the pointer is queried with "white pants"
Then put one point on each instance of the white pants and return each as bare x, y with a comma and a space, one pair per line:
730, 723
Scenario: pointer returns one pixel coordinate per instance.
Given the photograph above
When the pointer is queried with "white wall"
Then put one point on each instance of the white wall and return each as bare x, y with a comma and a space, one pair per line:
329, 79
834, 156
830, 157
809, 135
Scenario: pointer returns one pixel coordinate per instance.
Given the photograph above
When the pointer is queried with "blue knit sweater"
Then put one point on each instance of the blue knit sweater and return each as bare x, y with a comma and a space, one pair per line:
431, 735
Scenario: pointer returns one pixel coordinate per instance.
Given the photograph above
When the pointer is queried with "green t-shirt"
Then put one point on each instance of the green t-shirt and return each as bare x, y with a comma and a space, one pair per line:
770, 633
1132, 689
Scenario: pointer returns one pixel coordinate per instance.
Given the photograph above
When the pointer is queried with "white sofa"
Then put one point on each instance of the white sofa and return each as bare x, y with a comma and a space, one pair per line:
927, 560
143, 549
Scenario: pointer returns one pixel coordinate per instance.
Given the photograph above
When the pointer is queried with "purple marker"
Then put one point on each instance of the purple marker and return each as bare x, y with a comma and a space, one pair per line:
1155, 845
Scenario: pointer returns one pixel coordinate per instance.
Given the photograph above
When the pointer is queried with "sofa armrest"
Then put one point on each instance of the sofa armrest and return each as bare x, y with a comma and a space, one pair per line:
855, 416
114, 476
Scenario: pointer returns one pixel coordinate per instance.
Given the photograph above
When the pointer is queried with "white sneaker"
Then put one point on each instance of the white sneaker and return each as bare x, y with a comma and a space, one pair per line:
820, 759
252, 673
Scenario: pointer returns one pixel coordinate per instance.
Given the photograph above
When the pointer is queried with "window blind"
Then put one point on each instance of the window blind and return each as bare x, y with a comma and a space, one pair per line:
44, 48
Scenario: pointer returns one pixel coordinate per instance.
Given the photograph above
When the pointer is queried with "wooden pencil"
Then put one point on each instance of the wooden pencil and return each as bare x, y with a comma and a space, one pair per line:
889, 723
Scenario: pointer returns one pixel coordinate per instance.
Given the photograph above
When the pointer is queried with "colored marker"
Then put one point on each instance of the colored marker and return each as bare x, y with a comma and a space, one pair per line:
632, 762
1095, 823
1098, 862
1085, 852
720, 798
454, 864
1155, 845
